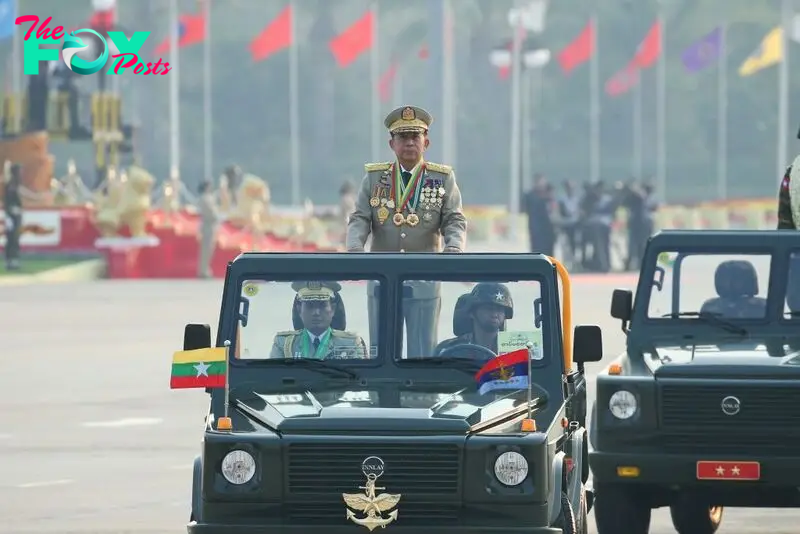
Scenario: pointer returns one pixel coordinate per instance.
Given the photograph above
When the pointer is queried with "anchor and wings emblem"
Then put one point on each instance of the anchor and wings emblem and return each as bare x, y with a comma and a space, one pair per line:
371, 505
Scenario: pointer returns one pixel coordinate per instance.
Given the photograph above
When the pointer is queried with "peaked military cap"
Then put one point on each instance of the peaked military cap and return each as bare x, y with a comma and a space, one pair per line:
308, 291
408, 119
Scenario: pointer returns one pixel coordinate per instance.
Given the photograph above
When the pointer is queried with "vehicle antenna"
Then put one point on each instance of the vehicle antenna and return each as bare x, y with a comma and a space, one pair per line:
227, 345
224, 423
530, 380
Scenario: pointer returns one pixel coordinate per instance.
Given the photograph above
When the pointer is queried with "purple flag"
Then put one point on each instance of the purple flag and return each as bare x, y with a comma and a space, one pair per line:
704, 52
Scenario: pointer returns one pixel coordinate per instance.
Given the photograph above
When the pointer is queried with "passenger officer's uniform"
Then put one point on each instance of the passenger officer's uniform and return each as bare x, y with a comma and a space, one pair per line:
409, 210
789, 197
330, 344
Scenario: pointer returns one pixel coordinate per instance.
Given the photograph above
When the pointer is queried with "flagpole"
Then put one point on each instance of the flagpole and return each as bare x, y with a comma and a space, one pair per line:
174, 92
447, 89
783, 87
637, 126
16, 73
516, 116
374, 73
661, 110
594, 103
722, 114
207, 110
294, 106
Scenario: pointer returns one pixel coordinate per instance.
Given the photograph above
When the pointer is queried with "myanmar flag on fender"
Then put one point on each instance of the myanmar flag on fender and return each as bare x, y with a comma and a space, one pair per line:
200, 368
507, 371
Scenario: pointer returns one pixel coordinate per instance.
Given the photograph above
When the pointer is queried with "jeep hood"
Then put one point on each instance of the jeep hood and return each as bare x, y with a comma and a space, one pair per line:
726, 359
364, 411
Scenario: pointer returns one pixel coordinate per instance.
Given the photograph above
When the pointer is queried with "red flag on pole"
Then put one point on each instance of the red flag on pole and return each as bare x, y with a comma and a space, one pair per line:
191, 30
276, 36
354, 41
650, 48
579, 51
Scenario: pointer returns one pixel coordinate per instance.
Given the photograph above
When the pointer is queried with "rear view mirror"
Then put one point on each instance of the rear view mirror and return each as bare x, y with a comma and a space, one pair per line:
622, 304
196, 336
587, 344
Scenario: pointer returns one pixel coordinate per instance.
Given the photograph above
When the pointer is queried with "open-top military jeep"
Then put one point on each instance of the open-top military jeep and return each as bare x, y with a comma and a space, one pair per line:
335, 416
698, 413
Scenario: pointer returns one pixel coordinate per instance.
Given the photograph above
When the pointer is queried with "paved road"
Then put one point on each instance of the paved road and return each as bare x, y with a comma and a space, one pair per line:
93, 441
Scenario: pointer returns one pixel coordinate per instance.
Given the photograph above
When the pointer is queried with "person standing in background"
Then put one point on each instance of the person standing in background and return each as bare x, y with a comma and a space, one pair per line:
12, 206
209, 224
541, 231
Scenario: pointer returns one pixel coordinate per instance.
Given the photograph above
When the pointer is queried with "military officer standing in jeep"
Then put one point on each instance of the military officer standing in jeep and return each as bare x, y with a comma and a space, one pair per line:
409, 205
789, 197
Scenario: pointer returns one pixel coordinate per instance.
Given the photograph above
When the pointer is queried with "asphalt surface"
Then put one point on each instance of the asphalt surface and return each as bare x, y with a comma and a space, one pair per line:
92, 439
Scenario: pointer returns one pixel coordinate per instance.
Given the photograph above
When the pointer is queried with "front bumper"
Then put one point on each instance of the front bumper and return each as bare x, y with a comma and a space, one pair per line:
195, 528
681, 469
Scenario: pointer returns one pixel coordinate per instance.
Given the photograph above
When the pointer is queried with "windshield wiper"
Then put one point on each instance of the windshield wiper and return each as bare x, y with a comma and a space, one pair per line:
468, 365
331, 369
711, 318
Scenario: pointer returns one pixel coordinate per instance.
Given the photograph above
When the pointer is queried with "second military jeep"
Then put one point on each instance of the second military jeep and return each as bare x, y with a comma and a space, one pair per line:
698, 413
365, 432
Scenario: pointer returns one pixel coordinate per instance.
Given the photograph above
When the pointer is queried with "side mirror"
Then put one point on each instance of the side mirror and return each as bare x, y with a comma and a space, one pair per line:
587, 344
196, 336
622, 304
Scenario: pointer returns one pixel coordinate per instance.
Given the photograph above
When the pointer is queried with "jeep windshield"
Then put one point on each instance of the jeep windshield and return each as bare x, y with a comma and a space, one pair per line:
321, 325
719, 289
465, 323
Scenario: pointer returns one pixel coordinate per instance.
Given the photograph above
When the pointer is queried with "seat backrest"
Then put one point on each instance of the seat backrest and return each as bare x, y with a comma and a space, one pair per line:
339, 321
736, 278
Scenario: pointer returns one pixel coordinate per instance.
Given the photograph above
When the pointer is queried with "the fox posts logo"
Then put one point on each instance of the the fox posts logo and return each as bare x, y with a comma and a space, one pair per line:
73, 44
89, 44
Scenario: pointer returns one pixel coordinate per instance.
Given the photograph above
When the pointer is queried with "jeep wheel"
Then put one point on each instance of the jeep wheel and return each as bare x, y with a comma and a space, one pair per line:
620, 510
566, 518
690, 516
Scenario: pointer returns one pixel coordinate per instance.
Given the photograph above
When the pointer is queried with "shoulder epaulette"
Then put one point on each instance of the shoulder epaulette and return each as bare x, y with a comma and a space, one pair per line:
288, 333
372, 167
438, 167
344, 333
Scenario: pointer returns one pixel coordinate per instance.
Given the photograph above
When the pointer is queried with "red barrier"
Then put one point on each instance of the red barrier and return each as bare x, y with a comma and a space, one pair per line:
172, 249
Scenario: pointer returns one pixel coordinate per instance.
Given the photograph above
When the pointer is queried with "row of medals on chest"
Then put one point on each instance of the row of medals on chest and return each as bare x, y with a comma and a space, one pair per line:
431, 197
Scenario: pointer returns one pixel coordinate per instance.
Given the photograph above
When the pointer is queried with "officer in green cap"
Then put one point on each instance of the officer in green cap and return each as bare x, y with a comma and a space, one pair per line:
488, 307
409, 205
316, 305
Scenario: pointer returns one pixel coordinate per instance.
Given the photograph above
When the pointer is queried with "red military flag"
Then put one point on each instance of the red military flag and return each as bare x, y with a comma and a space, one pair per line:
579, 51
276, 36
650, 48
354, 41
623, 81
191, 30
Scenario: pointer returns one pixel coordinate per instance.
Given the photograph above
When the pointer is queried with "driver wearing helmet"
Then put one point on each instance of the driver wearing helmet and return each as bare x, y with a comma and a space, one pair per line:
489, 305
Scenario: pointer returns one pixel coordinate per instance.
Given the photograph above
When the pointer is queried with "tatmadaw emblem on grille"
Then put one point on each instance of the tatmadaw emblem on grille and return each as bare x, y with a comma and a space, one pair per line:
730, 405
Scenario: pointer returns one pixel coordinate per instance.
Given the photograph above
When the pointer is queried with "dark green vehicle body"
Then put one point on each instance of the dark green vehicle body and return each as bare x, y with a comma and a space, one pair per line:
309, 448
680, 419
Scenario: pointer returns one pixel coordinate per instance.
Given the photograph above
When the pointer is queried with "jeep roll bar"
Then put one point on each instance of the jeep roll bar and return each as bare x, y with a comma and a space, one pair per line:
566, 313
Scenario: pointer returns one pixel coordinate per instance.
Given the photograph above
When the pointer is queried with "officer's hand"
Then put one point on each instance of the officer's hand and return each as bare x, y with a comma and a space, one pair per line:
451, 250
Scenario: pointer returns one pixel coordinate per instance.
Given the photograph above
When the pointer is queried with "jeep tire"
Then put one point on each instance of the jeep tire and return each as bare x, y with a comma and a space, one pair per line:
566, 518
693, 516
620, 509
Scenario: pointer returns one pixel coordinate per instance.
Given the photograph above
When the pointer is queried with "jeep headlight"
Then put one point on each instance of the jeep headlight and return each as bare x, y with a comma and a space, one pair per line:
238, 467
511, 468
622, 404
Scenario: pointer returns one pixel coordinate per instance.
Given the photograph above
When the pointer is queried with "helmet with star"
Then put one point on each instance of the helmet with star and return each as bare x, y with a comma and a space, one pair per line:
492, 293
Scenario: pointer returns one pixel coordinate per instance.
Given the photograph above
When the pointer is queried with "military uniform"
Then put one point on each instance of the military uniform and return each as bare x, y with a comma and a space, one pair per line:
484, 293
789, 198
409, 210
329, 344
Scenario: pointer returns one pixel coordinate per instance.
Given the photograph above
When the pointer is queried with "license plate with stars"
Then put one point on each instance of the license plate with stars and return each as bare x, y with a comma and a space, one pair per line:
714, 470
